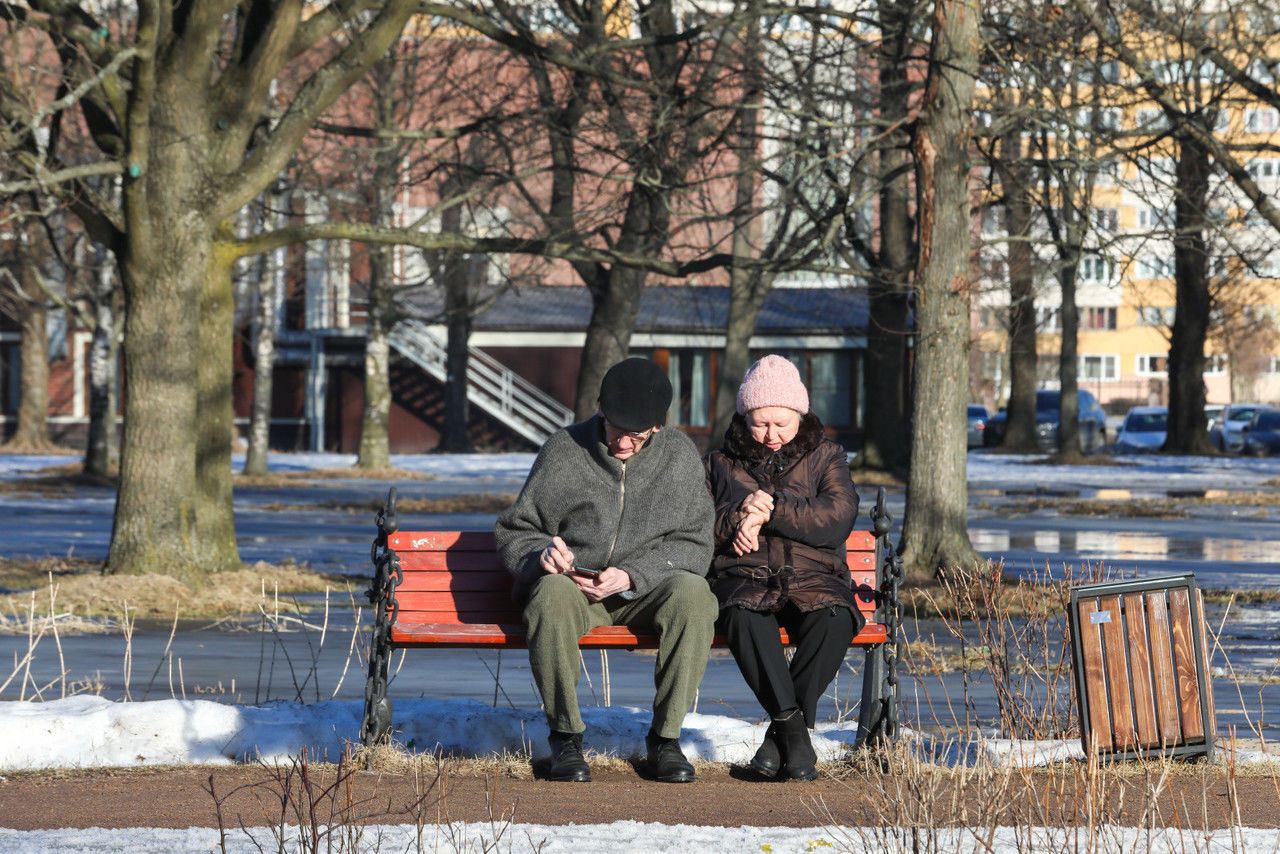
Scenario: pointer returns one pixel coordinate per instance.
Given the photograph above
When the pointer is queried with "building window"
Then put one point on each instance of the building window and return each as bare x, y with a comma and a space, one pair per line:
1154, 218
1098, 318
1215, 364
1152, 119
1263, 167
1049, 319
1273, 364
1155, 267
690, 375
1261, 120
1151, 315
1094, 268
1100, 368
1149, 365
1106, 219
828, 374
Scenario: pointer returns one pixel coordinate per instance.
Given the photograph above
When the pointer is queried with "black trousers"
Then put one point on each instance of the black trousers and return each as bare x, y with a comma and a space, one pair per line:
821, 639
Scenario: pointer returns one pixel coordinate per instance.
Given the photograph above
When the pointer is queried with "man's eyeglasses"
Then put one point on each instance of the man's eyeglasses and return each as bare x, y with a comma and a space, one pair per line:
635, 437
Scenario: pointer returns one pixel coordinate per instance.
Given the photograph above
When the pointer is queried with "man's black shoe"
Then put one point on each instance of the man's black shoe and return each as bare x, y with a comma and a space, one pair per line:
666, 761
567, 761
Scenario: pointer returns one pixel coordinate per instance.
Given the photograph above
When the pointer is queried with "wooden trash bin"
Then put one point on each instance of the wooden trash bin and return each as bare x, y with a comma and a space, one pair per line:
1142, 668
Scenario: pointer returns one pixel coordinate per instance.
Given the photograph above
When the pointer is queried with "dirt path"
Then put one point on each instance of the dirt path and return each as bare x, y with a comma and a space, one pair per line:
249, 795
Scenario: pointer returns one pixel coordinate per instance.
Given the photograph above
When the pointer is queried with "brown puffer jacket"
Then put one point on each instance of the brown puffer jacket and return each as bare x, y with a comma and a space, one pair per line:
801, 558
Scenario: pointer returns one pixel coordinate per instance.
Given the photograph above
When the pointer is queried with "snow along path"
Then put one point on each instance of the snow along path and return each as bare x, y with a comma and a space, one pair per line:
91, 732
634, 837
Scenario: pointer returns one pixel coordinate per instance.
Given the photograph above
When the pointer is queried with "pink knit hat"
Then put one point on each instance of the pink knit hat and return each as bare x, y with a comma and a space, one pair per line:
772, 381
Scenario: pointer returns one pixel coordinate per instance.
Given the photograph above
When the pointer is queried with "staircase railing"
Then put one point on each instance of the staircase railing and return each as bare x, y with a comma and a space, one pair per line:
492, 386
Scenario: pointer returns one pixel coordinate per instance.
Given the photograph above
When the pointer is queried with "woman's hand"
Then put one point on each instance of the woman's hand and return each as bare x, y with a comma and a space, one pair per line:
747, 537
758, 503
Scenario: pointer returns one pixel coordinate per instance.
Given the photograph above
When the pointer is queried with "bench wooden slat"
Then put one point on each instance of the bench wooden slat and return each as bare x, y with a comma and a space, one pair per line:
509, 635
472, 579
456, 592
435, 541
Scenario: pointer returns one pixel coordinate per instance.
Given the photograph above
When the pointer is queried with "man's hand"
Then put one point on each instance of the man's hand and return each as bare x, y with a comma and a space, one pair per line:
607, 583
556, 557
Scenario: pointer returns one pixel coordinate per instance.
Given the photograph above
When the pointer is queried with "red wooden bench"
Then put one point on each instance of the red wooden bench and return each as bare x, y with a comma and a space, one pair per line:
450, 589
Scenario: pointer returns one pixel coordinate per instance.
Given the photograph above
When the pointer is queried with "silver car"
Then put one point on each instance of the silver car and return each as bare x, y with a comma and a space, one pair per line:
1227, 435
1143, 431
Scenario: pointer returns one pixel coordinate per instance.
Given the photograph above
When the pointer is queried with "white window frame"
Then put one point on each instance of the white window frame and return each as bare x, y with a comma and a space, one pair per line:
1146, 364
1109, 362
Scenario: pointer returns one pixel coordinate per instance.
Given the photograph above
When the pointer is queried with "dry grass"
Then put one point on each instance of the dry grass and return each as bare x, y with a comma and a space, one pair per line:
61, 479
92, 595
1139, 508
876, 477
469, 503
1179, 507
18, 573
295, 478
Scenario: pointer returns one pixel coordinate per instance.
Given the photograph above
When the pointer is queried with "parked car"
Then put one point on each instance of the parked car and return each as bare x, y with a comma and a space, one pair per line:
1262, 436
1092, 420
978, 416
1212, 414
1228, 434
1143, 430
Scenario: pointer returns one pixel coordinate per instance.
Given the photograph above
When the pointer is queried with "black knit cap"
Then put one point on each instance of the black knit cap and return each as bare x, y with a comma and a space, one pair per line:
635, 395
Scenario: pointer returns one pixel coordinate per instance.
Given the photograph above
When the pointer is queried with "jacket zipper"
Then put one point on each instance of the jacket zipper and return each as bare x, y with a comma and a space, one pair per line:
622, 503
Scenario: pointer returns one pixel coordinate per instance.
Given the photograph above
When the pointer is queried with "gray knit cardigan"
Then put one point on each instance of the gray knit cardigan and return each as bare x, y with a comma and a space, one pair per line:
650, 515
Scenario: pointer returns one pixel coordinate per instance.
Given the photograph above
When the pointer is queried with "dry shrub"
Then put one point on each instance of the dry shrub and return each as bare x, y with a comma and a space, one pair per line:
917, 804
1012, 633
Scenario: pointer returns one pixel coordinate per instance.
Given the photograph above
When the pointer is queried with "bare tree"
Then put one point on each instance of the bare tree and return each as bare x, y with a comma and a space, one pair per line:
177, 98
935, 533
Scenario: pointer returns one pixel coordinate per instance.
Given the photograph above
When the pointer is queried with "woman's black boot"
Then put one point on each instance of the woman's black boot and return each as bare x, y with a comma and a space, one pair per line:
767, 760
799, 761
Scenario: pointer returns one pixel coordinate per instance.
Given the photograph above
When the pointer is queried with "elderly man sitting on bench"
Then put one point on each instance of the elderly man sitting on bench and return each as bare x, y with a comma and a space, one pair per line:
613, 527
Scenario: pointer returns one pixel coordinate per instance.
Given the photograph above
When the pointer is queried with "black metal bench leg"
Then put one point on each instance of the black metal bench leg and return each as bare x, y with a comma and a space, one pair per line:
376, 722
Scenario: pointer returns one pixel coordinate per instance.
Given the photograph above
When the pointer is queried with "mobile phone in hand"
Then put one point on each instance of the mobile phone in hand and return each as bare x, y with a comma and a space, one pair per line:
582, 570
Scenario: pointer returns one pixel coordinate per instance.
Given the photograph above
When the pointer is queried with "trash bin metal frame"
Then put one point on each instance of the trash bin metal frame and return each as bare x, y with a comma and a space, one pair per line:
1141, 665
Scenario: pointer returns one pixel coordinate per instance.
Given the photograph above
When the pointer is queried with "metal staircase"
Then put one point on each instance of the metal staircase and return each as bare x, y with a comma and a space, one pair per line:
492, 386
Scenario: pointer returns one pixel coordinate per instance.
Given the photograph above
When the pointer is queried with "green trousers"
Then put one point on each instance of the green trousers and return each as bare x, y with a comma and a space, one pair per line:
682, 611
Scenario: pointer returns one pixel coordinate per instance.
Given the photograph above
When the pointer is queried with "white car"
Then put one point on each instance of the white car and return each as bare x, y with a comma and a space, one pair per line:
1228, 434
1143, 430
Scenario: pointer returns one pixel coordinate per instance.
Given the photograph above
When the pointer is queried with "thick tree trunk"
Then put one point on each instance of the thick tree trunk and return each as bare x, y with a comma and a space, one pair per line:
164, 261
1192, 302
614, 308
215, 545
1020, 425
457, 301
154, 527
1068, 359
615, 296
456, 273
264, 359
32, 433
884, 372
747, 288
935, 533
375, 415
102, 451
